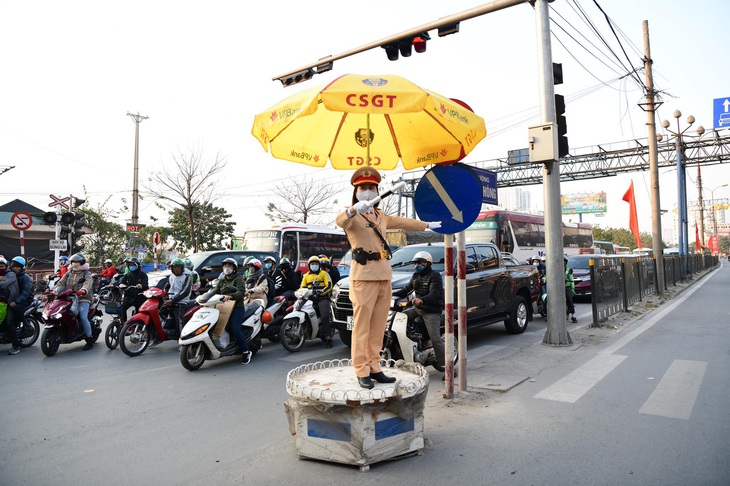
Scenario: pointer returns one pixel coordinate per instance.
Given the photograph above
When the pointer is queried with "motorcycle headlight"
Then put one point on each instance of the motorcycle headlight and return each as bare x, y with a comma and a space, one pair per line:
56, 316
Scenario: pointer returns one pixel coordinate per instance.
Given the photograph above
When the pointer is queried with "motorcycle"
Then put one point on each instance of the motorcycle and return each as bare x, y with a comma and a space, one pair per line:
197, 341
28, 333
151, 323
406, 338
112, 296
301, 323
62, 325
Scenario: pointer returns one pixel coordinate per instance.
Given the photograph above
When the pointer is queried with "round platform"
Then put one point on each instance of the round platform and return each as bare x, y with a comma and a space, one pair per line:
335, 382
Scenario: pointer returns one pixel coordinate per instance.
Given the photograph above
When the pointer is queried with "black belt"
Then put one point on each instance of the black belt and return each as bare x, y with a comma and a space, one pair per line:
362, 256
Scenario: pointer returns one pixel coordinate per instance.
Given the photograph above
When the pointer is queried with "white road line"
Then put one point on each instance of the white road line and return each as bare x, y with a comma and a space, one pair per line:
676, 393
576, 384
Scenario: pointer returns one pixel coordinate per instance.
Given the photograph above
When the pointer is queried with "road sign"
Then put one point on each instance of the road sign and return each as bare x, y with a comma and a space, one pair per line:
721, 113
59, 201
57, 245
21, 221
488, 180
451, 194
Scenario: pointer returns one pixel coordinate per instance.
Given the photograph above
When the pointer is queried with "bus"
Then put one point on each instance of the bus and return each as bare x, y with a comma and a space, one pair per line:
297, 242
606, 247
523, 235
621, 250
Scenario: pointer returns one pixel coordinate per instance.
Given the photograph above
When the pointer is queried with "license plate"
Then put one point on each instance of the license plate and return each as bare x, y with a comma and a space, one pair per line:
350, 322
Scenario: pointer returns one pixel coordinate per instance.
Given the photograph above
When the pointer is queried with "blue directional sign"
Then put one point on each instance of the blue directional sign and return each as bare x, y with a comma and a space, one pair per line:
721, 112
451, 194
488, 179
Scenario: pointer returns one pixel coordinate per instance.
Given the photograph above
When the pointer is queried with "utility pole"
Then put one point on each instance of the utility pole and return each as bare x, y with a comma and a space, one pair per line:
135, 191
702, 210
656, 217
557, 331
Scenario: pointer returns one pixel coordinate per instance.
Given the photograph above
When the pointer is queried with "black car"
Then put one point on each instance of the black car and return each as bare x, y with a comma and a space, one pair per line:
209, 264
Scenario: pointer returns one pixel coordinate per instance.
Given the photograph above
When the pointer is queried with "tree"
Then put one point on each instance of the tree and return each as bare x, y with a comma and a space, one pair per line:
108, 239
621, 237
302, 201
211, 226
190, 184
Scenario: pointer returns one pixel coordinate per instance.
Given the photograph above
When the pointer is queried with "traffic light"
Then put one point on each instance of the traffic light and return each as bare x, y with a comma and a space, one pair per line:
76, 232
77, 201
563, 148
50, 218
404, 47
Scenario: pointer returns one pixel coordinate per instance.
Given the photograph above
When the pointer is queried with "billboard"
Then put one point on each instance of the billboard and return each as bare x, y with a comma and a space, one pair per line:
583, 203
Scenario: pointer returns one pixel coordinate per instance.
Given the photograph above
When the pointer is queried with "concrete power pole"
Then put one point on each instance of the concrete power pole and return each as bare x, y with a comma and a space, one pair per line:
135, 191
656, 218
557, 331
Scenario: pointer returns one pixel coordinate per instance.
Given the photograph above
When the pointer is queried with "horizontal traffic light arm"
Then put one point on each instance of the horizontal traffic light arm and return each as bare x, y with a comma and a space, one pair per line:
445, 26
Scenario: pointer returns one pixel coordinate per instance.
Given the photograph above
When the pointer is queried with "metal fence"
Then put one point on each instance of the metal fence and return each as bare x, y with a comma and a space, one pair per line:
617, 282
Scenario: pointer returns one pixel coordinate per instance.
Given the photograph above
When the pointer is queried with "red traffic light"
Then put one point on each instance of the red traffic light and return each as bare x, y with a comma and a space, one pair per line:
419, 42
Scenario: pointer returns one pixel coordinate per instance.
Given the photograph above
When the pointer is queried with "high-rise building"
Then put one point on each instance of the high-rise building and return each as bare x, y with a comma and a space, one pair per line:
515, 199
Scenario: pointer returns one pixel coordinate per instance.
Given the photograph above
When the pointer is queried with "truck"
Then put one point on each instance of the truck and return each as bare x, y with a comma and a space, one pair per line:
495, 292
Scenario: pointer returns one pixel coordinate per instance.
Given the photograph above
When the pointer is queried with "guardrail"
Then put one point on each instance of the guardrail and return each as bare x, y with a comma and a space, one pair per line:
617, 282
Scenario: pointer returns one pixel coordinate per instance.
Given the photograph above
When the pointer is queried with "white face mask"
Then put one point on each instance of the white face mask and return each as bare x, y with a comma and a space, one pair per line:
227, 270
367, 195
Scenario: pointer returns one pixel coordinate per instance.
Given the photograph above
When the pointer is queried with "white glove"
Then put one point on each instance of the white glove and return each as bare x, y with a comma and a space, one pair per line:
434, 225
362, 207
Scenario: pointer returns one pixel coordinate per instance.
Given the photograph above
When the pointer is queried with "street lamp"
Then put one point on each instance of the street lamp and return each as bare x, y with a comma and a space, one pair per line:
714, 215
682, 186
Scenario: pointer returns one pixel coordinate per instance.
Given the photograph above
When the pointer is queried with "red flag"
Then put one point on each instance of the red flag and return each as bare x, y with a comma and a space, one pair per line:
633, 218
697, 238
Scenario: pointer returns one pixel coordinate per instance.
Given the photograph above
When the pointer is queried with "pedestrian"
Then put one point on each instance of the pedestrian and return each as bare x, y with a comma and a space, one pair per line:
370, 279
569, 292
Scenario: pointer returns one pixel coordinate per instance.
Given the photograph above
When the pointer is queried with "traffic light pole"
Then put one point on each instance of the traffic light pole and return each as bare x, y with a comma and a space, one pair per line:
56, 252
557, 331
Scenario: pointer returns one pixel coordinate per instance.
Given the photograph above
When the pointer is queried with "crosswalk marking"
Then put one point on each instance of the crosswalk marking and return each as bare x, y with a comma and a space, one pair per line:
573, 386
675, 395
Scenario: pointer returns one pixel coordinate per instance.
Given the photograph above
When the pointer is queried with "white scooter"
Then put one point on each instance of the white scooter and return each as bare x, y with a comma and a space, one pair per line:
406, 340
301, 323
196, 339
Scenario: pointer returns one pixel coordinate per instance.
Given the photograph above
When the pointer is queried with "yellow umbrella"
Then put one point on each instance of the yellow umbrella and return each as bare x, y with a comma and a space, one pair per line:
358, 119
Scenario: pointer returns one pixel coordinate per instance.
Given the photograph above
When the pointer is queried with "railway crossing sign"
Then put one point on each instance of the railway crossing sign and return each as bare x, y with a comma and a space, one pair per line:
21, 221
59, 201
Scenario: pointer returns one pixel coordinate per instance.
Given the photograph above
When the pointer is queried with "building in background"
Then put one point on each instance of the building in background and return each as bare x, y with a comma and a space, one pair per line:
515, 199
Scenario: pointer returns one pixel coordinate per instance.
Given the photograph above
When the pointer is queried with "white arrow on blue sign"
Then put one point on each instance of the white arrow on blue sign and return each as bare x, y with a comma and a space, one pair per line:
721, 113
450, 194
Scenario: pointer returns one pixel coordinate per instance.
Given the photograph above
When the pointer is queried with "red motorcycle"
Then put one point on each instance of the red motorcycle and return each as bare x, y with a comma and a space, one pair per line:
150, 322
62, 325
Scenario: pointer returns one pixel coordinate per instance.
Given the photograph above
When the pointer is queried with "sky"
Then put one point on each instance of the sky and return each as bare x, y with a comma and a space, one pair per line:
201, 71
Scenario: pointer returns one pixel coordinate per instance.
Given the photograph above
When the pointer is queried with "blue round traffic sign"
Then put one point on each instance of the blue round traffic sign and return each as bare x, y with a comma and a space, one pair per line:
451, 194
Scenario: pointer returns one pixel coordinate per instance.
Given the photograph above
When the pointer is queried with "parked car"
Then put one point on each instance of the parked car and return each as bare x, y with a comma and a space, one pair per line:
495, 292
209, 266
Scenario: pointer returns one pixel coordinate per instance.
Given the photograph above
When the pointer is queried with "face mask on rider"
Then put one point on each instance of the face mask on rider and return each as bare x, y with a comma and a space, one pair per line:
366, 195
535, 264
420, 268
314, 268
133, 268
268, 266
227, 270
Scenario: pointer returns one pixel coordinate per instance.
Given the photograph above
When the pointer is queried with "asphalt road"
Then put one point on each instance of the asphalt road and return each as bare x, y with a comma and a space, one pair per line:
648, 410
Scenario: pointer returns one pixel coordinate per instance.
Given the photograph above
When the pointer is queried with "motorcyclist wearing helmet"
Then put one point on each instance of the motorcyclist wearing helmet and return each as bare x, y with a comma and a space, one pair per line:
80, 280
137, 279
274, 274
235, 321
331, 270
428, 301
257, 286
9, 293
180, 285
569, 291
291, 279
195, 278
246, 261
106, 274
62, 265
321, 285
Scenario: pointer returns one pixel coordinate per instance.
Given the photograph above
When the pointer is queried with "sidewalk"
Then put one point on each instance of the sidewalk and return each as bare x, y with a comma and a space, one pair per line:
498, 371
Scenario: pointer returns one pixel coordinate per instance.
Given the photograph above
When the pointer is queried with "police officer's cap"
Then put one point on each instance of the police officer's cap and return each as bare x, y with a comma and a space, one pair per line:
365, 175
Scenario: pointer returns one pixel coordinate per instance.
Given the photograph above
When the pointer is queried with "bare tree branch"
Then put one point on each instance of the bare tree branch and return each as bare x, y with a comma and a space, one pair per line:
302, 201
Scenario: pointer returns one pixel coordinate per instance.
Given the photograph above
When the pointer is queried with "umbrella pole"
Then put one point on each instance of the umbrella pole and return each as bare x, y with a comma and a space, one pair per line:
367, 123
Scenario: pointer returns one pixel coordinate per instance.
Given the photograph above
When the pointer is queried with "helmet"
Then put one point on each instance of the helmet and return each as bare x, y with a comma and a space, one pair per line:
18, 261
77, 257
542, 258
133, 260
108, 260
188, 263
231, 261
565, 259
248, 259
325, 262
284, 261
534, 257
64, 258
3, 261
422, 255
255, 262
177, 261
270, 259
120, 260
313, 258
